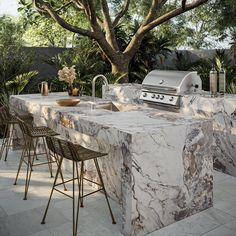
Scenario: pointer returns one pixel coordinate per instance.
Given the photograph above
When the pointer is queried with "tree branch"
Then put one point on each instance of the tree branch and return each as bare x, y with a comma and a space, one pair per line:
136, 40
152, 12
78, 4
45, 7
121, 13
110, 35
104, 44
64, 6
173, 13
92, 16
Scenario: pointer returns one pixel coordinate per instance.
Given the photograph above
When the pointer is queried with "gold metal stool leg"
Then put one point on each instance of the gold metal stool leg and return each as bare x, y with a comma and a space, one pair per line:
53, 188
11, 135
82, 184
57, 162
103, 187
79, 179
4, 141
22, 159
7, 140
48, 158
29, 169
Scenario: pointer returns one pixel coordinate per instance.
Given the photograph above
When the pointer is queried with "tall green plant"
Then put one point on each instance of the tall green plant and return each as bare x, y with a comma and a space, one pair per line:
88, 60
13, 60
17, 85
203, 66
222, 60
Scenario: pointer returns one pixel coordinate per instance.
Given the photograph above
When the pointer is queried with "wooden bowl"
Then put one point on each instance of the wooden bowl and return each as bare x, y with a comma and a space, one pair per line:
67, 102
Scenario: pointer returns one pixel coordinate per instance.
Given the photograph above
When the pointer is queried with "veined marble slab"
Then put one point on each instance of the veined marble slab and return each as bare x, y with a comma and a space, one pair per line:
127, 93
159, 164
223, 112
221, 109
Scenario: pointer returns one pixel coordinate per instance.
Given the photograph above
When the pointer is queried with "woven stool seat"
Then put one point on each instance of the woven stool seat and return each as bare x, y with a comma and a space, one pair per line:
42, 131
86, 154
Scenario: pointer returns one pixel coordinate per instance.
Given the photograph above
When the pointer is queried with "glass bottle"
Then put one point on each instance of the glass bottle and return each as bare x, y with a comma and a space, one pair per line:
222, 81
213, 81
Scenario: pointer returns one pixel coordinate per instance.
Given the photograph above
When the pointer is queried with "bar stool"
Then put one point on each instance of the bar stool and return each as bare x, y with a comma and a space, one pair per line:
76, 154
9, 121
31, 137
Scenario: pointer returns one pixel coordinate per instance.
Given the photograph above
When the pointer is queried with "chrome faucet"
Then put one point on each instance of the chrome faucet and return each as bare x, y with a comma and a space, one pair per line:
94, 83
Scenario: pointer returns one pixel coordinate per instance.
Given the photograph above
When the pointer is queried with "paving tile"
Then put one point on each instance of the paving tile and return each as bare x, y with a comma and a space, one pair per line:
218, 216
4, 231
231, 225
219, 176
22, 218
221, 231
24, 223
3, 214
42, 233
228, 185
232, 211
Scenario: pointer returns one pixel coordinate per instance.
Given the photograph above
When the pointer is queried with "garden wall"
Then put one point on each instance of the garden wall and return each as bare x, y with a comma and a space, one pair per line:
193, 55
46, 70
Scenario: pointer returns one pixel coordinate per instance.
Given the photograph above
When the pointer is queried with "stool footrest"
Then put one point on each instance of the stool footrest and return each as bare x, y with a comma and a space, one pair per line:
63, 193
91, 181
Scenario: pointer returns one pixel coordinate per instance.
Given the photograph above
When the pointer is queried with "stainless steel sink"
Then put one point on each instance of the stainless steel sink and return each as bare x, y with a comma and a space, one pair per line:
116, 107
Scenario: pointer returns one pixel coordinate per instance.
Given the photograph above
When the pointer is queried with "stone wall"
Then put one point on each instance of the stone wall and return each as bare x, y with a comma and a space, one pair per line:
45, 70
194, 55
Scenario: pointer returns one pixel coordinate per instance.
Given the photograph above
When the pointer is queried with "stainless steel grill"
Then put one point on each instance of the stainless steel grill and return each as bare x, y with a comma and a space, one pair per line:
164, 88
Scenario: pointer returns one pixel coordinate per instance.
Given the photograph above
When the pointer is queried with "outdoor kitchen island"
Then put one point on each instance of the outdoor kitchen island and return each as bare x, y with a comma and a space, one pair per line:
159, 165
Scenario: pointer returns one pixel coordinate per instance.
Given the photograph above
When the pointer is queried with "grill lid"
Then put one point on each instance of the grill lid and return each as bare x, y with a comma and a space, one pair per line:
177, 82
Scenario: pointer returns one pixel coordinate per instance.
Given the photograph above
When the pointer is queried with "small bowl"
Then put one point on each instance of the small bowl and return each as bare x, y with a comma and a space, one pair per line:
67, 102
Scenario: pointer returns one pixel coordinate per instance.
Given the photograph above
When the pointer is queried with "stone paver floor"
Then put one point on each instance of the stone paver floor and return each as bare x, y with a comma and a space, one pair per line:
22, 218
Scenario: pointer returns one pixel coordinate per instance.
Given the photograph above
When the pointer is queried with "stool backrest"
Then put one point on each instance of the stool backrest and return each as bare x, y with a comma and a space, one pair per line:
26, 129
4, 114
62, 148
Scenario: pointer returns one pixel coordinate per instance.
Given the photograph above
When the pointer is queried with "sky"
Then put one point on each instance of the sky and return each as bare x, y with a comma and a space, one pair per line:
8, 7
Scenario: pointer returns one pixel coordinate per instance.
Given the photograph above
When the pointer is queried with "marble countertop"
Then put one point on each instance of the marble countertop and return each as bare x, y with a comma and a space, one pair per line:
137, 119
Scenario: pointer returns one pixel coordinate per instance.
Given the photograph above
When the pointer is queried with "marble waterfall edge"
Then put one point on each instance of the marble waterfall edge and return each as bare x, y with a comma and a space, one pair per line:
172, 181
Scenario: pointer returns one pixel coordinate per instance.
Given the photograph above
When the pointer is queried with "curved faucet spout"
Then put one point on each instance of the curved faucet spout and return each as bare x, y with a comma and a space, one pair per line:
94, 83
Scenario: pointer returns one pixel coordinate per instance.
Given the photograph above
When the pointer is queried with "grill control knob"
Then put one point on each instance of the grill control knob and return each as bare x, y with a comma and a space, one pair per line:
171, 99
157, 96
162, 97
153, 95
144, 94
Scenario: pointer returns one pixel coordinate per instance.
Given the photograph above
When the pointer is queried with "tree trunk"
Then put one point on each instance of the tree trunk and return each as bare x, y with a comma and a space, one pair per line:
120, 66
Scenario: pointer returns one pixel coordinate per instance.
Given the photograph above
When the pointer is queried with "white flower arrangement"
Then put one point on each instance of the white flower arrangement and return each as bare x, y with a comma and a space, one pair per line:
67, 74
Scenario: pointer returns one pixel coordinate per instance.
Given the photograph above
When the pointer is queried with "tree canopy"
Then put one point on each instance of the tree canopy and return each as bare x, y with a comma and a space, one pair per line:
98, 19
